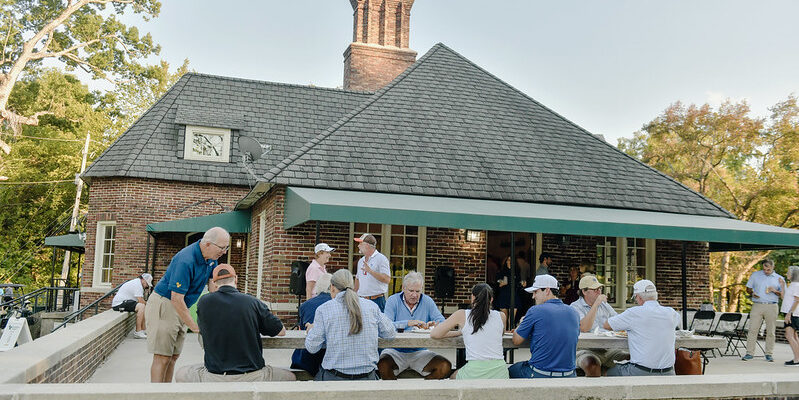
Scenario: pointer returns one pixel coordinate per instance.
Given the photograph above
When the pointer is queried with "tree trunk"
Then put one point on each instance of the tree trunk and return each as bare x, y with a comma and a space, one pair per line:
723, 280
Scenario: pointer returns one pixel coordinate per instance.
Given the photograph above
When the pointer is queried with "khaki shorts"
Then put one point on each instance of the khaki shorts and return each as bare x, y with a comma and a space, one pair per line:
606, 357
416, 360
165, 330
198, 373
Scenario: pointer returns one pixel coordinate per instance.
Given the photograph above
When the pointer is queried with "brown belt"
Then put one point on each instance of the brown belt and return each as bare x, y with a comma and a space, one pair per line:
377, 296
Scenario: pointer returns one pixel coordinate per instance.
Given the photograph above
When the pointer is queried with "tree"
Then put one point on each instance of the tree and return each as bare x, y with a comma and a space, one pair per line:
748, 165
50, 152
78, 33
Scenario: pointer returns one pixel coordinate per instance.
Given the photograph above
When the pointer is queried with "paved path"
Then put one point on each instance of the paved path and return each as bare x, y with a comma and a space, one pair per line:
131, 357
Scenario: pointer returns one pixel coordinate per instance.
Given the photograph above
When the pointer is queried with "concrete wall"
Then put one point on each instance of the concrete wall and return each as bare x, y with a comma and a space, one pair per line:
70, 354
763, 386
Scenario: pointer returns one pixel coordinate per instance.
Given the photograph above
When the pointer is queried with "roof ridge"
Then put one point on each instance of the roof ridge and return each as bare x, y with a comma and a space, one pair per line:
146, 138
701, 196
232, 78
286, 162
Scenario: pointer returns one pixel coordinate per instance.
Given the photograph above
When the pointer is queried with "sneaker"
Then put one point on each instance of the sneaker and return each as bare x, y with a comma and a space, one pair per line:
747, 357
791, 362
140, 334
769, 358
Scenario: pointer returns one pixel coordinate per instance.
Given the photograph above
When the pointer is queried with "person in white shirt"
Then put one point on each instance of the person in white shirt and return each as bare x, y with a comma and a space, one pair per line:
130, 298
594, 310
650, 334
374, 273
766, 289
790, 306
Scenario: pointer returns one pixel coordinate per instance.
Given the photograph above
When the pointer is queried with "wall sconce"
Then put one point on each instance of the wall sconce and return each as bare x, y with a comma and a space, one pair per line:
564, 240
238, 243
473, 236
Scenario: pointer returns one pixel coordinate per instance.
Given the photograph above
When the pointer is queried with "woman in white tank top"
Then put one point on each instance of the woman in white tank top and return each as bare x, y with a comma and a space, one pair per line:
483, 345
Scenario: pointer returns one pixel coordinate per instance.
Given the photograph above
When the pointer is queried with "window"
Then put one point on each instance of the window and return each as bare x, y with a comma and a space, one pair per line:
207, 144
403, 245
104, 253
620, 263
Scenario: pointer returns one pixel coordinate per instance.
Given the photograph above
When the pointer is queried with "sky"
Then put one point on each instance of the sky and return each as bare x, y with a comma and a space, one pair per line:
608, 66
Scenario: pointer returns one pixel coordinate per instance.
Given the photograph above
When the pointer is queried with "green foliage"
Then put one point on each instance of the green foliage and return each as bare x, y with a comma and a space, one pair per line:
51, 151
748, 165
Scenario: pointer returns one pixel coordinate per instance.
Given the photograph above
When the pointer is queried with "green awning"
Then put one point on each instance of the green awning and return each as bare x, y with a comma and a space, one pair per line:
233, 222
72, 242
308, 204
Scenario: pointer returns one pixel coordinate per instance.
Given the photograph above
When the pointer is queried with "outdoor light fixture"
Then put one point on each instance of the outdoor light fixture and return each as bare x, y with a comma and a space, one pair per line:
472, 236
238, 243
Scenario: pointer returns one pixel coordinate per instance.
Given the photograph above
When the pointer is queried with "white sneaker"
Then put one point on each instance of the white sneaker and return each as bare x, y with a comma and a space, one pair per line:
140, 334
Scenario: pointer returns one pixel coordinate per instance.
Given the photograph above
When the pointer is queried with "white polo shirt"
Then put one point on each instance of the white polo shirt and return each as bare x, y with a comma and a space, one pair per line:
650, 333
129, 290
603, 312
368, 285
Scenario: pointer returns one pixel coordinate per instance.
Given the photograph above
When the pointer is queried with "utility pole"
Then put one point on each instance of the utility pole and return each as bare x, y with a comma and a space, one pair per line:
75, 209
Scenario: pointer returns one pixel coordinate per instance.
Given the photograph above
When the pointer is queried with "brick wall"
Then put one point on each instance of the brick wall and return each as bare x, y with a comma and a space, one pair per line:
79, 366
370, 67
133, 203
668, 276
283, 247
449, 248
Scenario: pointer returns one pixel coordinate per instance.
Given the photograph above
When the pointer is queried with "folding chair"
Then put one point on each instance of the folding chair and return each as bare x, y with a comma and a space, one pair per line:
728, 328
703, 322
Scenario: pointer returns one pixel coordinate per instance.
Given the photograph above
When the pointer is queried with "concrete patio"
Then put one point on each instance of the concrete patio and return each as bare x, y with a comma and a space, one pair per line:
130, 362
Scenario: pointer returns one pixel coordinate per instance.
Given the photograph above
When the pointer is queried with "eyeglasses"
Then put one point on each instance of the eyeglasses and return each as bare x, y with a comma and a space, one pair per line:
220, 247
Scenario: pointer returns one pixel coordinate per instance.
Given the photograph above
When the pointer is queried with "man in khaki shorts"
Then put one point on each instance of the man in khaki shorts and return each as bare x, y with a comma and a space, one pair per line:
594, 310
231, 325
167, 310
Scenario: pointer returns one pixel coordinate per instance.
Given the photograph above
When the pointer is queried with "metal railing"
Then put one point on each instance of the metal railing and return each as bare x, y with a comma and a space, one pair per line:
78, 315
44, 299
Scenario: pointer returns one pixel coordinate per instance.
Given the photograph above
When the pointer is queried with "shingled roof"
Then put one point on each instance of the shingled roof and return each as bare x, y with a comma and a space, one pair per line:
446, 127
281, 115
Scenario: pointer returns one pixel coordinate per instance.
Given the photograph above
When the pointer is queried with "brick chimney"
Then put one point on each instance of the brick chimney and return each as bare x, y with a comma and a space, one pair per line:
379, 49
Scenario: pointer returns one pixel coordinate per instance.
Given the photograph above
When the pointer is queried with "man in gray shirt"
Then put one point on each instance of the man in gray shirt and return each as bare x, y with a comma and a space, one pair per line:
594, 310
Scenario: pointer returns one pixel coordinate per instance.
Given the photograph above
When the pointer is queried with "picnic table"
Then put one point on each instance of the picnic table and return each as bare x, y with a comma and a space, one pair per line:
295, 339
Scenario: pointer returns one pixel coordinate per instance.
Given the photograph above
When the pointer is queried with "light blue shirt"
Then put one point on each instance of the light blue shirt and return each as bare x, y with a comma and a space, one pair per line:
349, 354
603, 312
759, 281
650, 333
397, 311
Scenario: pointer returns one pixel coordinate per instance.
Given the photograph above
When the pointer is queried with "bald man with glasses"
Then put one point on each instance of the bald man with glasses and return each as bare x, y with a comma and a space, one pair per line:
167, 310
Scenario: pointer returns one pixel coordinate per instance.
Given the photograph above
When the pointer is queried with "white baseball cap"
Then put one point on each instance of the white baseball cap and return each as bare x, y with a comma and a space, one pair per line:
147, 278
542, 282
322, 247
643, 286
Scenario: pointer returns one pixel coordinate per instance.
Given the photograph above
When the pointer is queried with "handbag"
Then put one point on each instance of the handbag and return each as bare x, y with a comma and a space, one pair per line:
688, 362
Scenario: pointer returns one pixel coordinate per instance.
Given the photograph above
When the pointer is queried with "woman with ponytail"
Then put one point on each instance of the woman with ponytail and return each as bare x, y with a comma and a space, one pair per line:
348, 327
482, 329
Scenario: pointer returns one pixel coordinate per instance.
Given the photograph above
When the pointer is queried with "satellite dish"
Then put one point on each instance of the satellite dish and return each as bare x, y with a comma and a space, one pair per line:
251, 149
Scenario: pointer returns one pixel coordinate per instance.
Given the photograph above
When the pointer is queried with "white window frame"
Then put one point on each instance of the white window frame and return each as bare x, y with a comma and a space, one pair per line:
621, 271
99, 252
385, 247
192, 130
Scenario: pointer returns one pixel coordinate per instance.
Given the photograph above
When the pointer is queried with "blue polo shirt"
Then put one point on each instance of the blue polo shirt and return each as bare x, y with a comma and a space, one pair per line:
399, 313
552, 329
187, 274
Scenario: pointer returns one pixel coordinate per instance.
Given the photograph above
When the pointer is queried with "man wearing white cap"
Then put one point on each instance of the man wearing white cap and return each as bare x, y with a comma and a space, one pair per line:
594, 310
650, 334
317, 268
130, 298
374, 273
553, 329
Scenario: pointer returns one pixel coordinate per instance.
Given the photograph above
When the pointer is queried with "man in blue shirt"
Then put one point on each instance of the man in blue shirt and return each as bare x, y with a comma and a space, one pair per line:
553, 329
766, 288
167, 311
408, 309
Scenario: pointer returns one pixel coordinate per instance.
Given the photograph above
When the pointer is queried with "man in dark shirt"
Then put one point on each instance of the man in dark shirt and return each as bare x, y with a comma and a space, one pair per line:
231, 325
